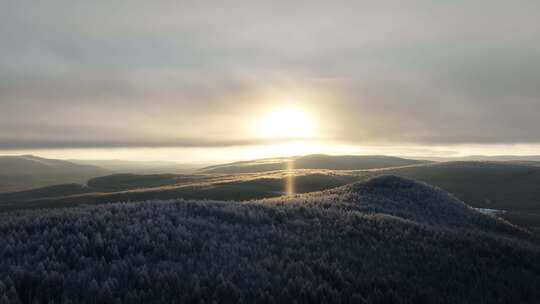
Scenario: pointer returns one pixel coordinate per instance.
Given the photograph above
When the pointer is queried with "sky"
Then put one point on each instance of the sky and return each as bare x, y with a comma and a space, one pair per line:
196, 80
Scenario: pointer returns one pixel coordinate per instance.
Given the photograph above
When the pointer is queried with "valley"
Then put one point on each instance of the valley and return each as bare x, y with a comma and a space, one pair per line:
509, 186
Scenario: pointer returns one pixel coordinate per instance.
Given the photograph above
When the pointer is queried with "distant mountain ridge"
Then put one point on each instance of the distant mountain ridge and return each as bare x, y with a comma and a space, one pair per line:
139, 167
314, 161
504, 158
25, 172
28, 171
34, 165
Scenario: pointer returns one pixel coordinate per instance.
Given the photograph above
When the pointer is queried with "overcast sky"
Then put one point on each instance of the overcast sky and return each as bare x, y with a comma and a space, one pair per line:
195, 74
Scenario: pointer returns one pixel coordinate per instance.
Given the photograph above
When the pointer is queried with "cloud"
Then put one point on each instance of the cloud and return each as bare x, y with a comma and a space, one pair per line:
39, 144
181, 73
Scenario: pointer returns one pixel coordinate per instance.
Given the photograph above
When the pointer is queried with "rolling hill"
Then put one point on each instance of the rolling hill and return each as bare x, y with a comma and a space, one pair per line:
129, 187
28, 171
511, 188
139, 167
493, 158
316, 161
387, 240
497, 185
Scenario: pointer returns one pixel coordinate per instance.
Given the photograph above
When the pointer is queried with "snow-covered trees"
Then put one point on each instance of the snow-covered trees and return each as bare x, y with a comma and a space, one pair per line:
352, 245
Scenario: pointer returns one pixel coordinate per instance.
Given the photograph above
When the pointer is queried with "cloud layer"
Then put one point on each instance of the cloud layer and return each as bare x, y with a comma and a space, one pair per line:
78, 74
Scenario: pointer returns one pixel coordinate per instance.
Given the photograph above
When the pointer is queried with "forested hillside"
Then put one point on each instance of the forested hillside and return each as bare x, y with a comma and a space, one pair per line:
510, 188
500, 185
388, 240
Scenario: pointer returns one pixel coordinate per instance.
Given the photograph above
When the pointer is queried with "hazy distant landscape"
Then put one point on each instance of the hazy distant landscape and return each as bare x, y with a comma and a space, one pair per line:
509, 188
316, 161
139, 167
272, 152
27, 171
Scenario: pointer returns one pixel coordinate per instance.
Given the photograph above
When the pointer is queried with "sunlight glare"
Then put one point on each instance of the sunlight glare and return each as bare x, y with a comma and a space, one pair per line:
285, 123
289, 181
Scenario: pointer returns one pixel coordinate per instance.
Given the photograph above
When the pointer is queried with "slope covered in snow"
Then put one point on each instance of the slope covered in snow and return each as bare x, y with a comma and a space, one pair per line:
388, 240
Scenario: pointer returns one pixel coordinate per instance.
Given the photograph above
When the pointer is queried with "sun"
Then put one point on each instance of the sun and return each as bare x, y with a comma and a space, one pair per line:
285, 123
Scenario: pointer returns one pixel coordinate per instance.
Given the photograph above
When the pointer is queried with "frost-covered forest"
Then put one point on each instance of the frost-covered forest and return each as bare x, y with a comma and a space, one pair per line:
388, 240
